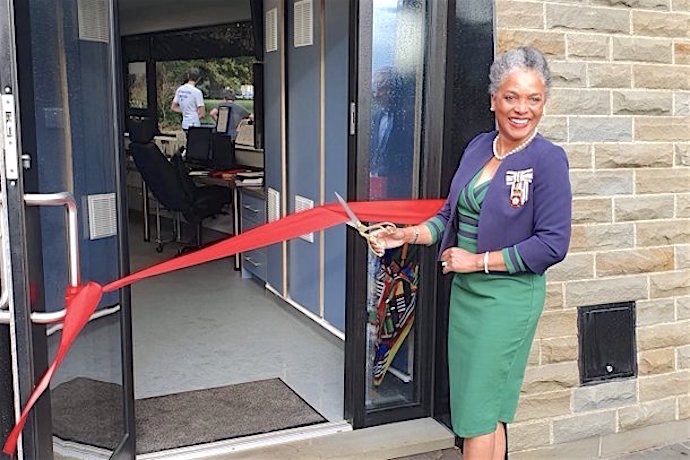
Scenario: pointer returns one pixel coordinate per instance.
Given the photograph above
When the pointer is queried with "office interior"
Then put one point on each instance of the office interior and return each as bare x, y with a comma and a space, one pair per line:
298, 310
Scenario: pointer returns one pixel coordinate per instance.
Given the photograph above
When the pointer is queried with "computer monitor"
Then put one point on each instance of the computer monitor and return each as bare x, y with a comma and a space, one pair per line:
198, 150
223, 149
223, 121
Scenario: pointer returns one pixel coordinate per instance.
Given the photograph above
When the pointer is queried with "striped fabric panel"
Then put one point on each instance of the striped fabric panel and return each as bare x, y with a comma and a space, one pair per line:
436, 227
513, 261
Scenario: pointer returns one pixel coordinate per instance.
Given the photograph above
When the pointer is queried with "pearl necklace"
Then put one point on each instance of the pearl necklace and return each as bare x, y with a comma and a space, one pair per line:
515, 150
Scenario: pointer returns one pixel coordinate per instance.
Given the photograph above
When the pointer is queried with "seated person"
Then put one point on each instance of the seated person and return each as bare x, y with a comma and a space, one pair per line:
237, 112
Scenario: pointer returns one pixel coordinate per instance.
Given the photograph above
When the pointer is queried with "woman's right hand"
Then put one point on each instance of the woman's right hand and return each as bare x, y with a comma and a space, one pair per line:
386, 238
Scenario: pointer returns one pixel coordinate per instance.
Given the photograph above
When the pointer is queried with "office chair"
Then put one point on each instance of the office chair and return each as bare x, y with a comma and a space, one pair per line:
170, 183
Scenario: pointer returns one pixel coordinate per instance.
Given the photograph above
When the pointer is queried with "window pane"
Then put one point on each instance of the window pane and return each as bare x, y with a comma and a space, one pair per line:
137, 95
399, 31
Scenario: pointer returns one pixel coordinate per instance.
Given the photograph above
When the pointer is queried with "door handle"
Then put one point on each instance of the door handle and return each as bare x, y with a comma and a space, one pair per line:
55, 199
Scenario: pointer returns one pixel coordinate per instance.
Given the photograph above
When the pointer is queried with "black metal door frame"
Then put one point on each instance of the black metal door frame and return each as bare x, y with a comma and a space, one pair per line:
430, 186
23, 344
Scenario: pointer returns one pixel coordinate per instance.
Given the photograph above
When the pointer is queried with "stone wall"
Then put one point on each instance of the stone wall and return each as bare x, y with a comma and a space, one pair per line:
620, 106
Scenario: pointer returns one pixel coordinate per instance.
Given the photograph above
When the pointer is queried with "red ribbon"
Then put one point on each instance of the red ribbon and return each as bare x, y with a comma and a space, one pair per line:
82, 301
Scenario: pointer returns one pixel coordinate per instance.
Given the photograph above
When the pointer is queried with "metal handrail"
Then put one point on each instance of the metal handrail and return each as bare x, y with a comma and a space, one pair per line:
57, 199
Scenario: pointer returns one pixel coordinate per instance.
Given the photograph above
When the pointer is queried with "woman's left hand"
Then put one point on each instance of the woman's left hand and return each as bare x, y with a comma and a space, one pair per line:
458, 260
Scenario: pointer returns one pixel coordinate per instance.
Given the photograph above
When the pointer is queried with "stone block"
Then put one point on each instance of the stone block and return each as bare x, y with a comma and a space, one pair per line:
554, 296
588, 47
684, 407
682, 156
585, 238
554, 128
682, 256
662, 180
551, 377
661, 76
675, 334
552, 44
614, 445
592, 210
584, 426
568, 74
559, 350
610, 75
657, 24
533, 358
656, 311
660, 5
683, 308
682, 106
683, 357
643, 207
601, 183
631, 155
608, 290
682, 205
543, 405
651, 413
573, 267
672, 284
528, 435
600, 129
667, 129
528, 15
633, 261
583, 18
579, 155
605, 395
577, 450
557, 324
660, 361
681, 53
642, 49
637, 102
662, 386
680, 5
579, 101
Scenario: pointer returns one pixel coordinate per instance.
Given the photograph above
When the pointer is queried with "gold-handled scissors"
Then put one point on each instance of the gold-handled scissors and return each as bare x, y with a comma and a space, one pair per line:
365, 231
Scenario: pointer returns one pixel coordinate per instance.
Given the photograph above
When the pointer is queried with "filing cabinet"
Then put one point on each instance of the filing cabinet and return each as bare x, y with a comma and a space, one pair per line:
252, 214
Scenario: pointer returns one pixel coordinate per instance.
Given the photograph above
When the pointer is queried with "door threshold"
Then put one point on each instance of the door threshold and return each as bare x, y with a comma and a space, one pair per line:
245, 443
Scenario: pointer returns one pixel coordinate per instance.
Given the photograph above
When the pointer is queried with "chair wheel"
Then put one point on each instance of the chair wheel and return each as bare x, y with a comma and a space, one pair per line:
159, 248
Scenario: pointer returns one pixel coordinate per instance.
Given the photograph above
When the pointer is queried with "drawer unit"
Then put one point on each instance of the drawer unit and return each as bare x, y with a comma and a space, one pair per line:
252, 214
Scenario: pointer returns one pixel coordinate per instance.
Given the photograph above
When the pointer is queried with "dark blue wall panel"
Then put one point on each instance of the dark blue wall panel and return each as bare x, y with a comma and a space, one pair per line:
74, 139
272, 143
304, 161
336, 52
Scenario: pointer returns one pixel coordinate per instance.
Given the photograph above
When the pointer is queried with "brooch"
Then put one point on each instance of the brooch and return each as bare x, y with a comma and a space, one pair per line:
519, 186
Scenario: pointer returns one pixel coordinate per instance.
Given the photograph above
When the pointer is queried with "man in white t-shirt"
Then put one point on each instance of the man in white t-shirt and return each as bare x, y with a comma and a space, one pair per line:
189, 101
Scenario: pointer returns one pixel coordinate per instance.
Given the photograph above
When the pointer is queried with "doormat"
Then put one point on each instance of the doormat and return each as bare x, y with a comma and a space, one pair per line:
89, 411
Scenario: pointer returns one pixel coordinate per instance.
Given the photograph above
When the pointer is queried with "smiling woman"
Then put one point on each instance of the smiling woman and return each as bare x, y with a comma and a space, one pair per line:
505, 221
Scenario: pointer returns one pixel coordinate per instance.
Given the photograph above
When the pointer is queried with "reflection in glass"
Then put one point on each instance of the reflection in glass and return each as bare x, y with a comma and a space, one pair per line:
396, 111
136, 79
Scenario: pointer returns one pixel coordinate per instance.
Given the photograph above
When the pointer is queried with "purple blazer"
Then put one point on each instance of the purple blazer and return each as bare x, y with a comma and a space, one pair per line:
540, 227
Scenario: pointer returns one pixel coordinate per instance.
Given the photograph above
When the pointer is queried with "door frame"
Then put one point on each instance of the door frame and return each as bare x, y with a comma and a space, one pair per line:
429, 186
21, 368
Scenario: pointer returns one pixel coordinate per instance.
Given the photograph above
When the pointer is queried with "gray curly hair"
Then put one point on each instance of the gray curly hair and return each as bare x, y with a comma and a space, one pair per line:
524, 57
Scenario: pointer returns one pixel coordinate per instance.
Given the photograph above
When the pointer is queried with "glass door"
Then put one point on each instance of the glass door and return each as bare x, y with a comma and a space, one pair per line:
62, 222
389, 354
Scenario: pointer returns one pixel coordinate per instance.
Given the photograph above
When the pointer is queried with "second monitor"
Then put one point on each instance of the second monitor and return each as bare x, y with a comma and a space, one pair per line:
198, 149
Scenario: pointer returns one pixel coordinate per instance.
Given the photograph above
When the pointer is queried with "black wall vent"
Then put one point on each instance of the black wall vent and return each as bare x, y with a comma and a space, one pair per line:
608, 347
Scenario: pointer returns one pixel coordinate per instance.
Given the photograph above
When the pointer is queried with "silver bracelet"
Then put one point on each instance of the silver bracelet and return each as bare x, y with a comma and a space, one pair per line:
416, 235
486, 262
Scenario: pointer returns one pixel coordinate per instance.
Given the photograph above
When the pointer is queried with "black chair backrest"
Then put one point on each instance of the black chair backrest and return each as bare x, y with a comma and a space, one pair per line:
161, 176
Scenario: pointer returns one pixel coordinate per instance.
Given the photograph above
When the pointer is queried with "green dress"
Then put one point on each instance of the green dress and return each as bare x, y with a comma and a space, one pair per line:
492, 321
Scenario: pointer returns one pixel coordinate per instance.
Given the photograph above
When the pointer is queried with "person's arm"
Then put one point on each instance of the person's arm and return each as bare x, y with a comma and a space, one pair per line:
175, 107
214, 113
200, 106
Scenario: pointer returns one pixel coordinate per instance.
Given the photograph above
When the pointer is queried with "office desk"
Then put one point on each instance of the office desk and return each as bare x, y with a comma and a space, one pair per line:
235, 188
